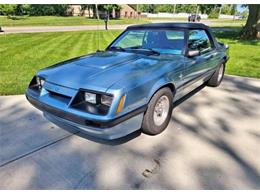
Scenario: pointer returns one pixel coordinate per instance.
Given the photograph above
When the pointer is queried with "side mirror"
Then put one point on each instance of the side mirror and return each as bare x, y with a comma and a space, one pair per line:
193, 53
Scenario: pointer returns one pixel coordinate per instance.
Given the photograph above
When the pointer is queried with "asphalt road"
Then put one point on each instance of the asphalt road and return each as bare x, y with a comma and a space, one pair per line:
212, 142
38, 29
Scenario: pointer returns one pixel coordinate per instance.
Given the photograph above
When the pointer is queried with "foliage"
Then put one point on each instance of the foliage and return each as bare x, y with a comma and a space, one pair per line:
226, 9
46, 10
244, 13
169, 8
109, 8
188, 8
206, 8
150, 8
33, 9
233, 10
214, 14
7, 9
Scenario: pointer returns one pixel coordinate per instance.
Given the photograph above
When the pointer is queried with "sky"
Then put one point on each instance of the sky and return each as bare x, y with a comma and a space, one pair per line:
240, 8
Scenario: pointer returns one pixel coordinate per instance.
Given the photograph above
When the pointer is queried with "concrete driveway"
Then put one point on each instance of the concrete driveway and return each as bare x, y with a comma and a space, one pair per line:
37, 29
212, 142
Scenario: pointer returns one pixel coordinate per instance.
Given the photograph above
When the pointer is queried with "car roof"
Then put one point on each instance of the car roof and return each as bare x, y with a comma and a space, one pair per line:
168, 25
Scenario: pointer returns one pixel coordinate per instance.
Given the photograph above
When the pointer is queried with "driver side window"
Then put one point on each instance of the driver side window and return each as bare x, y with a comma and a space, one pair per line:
199, 40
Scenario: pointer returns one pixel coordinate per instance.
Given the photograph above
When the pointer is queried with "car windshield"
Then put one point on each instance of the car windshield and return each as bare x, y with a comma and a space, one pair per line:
151, 40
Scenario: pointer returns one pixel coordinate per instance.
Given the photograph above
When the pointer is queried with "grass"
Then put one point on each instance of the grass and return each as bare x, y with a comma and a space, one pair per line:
21, 55
244, 55
79, 20
61, 21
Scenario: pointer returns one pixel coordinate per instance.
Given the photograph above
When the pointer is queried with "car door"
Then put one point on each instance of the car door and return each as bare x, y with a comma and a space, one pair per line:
197, 68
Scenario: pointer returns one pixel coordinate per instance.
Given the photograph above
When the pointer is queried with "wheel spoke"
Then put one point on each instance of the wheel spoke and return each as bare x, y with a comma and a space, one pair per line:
161, 110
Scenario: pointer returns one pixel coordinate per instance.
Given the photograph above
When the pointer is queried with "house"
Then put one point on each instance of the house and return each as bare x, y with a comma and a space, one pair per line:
125, 11
74, 10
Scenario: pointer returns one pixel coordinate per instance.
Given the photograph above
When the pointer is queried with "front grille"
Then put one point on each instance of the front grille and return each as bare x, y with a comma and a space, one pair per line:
59, 96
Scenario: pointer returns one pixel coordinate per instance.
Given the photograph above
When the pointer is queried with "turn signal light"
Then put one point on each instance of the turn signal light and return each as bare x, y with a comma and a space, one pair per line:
120, 105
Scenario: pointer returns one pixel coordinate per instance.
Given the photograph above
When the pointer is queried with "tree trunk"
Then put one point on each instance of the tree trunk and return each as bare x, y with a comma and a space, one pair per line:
251, 29
97, 14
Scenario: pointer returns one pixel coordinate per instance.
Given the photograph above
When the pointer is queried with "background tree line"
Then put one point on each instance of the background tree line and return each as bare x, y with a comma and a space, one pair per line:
33, 10
212, 10
61, 10
188, 8
50, 10
250, 31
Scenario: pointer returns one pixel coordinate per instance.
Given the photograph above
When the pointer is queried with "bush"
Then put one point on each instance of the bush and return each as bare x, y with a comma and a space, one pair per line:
213, 15
48, 10
7, 9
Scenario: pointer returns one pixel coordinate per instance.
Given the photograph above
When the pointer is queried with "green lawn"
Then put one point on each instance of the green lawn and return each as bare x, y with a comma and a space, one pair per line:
61, 21
21, 55
79, 20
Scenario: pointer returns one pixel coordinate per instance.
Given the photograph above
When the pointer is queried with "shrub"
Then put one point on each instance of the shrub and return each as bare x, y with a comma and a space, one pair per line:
213, 15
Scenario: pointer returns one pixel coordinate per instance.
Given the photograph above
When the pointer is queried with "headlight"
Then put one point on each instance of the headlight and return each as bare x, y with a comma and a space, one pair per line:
36, 83
90, 97
106, 100
91, 102
40, 81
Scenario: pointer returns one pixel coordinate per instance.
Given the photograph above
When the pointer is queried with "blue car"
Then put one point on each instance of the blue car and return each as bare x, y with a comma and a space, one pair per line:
133, 83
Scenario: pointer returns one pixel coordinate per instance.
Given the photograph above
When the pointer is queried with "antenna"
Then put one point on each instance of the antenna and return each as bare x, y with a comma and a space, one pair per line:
98, 36
98, 26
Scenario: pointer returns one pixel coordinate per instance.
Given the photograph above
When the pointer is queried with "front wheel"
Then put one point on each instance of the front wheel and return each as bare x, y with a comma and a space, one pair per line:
158, 113
217, 77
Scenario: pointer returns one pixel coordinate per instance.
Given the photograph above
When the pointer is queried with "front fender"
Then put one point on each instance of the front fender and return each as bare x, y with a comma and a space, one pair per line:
159, 84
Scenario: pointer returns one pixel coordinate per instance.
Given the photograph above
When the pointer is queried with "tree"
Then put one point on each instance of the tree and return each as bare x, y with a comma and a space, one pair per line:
169, 8
88, 7
233, 10
96, 11
109, 8
226, 9
150, 8
252, 27
48, 10
7, 9
206, 8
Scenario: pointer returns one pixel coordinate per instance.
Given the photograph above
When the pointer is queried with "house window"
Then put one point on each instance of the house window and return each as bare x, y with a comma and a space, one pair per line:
125, 14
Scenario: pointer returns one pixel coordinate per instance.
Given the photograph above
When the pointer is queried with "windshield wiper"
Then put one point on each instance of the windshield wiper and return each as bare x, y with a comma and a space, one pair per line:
154, 52
140, 48
118, 48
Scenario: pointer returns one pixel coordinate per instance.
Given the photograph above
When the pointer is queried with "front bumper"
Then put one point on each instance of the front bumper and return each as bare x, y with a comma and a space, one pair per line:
105, 129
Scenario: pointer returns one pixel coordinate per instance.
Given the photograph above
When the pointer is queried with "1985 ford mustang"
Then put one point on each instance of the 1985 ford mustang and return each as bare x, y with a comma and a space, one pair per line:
133, 84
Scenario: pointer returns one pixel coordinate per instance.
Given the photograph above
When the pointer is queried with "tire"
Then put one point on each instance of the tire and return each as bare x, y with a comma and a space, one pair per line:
158, 113
217, 77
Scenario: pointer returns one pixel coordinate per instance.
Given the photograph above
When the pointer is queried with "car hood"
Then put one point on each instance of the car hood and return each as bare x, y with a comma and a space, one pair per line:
98, 71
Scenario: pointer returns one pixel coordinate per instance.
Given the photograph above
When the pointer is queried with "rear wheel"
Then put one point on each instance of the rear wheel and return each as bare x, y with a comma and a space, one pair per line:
158, 113
217, 77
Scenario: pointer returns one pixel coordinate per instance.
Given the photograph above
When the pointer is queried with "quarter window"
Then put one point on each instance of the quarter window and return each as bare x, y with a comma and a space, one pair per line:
199, 40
